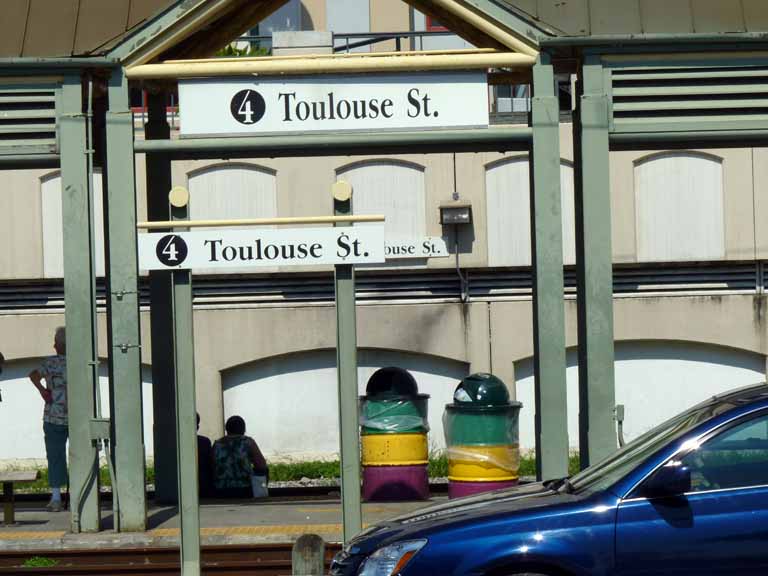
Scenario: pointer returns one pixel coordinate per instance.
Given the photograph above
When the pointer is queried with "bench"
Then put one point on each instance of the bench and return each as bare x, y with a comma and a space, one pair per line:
8, 479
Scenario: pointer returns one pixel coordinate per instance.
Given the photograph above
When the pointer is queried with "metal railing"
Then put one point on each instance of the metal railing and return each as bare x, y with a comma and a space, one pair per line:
346, 41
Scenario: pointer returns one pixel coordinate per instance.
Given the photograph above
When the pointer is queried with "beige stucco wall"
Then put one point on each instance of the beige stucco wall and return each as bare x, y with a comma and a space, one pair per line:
389, 16
487, 336
734, 321
303, 189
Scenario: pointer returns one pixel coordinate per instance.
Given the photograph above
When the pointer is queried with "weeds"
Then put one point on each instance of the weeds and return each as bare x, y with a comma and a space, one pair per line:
39, 562
317, 469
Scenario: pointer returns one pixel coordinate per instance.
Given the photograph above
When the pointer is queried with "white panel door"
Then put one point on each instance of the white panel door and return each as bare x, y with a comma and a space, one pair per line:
290, 403
394, 189
679, 208
231, 191
53, 233
507, 186
654, 381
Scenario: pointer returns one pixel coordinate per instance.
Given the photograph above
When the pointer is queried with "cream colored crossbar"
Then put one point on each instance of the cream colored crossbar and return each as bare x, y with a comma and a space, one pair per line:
481, 23
258, 221
331, 64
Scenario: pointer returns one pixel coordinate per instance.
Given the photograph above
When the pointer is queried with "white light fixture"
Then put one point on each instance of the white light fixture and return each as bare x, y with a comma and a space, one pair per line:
456, 213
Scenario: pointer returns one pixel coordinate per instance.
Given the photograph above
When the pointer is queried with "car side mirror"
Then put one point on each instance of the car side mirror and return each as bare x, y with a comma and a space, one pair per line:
672, 479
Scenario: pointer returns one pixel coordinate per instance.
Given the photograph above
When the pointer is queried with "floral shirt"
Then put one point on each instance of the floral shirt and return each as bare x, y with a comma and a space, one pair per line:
54, 370
232, 462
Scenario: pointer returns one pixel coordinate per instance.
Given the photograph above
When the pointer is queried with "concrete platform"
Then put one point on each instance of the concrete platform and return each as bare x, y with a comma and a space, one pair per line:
222, 522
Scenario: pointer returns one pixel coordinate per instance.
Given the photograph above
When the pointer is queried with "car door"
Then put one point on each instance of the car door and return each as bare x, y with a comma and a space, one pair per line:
719, 527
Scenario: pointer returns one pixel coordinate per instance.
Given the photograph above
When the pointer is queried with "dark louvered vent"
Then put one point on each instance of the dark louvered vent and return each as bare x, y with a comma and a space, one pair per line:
27, 120
413, 286
704, 98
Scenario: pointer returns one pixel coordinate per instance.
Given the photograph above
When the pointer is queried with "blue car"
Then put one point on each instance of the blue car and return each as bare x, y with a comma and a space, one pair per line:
690, 497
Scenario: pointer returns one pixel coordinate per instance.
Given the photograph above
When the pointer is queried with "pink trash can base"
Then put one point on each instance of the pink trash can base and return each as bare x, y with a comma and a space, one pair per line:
459, 489
395, 483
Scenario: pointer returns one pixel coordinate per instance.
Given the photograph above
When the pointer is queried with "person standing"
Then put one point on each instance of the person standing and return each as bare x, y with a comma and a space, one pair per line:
55, 423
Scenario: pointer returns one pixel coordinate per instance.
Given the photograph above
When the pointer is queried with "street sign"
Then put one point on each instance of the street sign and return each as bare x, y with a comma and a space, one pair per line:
413, 101
425, 247
261, 248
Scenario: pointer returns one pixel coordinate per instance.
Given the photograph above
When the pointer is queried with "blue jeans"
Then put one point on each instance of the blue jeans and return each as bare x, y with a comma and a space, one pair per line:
56, 450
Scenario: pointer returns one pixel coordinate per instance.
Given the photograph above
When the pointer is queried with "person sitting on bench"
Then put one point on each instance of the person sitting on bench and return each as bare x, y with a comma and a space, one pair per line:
238, 464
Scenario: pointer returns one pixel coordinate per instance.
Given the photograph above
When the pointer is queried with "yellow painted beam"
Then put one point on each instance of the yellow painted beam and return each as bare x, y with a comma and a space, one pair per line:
331, 64
258, 221
486, 26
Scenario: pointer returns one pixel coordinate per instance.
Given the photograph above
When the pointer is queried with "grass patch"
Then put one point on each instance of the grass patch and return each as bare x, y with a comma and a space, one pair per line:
316, 469
39, 562
294, 471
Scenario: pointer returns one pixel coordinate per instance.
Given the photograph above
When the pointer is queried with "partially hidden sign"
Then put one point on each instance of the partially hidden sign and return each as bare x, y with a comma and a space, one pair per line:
261, 248
240, 106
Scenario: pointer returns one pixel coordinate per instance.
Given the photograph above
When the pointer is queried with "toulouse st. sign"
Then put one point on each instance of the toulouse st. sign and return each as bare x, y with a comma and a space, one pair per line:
333, 103
261, 248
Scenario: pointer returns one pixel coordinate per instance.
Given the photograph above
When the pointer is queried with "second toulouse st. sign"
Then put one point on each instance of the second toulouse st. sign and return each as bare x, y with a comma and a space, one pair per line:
261, 248
215, 107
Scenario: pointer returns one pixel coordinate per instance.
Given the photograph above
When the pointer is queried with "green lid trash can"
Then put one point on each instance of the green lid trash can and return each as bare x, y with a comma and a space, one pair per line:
393, 428
481, 432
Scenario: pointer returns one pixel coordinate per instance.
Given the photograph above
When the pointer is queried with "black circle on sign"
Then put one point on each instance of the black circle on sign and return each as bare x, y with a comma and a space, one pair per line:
171, 250
247, 106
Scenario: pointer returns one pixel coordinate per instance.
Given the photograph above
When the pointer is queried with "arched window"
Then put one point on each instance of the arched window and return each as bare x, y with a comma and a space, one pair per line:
508, 205
229, 191
392, 188
679, 207
655, 379
53, 233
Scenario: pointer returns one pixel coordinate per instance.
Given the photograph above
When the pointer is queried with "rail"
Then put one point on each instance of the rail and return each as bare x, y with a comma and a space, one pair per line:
256, 559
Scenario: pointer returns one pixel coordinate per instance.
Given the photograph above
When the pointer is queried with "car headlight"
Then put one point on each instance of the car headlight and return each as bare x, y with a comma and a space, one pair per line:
390, 560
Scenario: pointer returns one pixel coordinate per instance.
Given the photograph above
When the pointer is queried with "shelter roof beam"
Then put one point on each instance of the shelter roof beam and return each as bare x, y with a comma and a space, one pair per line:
478, 28
268, 66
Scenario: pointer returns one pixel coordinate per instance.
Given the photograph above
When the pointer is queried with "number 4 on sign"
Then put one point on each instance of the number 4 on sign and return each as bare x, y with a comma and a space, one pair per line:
245, 110
170, 250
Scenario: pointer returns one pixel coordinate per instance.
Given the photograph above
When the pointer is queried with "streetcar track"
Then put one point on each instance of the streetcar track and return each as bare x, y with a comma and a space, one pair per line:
242, 559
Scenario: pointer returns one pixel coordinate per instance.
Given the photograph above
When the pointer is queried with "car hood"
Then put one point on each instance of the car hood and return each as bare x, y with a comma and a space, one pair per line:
481, 508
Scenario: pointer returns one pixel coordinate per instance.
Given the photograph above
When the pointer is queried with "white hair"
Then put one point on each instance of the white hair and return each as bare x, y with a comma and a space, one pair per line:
60, 336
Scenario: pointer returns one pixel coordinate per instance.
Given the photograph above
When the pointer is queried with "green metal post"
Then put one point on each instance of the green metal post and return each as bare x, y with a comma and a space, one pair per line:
346, 366
80, 308
161, 313
123, 308
597, 434
548, 306
186, 415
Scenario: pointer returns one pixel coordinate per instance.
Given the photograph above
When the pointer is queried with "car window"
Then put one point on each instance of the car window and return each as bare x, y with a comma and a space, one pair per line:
735, 458
608, 471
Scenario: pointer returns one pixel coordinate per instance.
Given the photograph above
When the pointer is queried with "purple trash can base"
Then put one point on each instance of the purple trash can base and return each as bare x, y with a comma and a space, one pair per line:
459, 489
395, 483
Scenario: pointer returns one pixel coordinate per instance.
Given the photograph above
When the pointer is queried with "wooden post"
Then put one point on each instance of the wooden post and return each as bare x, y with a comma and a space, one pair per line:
8, 516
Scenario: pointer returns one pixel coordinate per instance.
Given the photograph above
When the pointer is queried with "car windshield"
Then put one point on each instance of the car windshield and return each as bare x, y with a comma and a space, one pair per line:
611, 469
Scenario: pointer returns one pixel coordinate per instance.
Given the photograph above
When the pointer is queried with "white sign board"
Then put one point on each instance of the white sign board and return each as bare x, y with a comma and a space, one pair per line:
426, 247
216, 107
261, 248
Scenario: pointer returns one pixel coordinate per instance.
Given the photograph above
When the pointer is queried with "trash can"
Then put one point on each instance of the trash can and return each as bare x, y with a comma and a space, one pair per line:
482, 436
393, 434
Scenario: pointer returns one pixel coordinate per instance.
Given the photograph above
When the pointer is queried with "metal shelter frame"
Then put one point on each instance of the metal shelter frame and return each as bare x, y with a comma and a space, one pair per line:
615, 110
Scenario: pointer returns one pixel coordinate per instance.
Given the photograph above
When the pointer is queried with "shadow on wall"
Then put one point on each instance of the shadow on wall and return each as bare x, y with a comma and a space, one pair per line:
290, 403
654, 380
